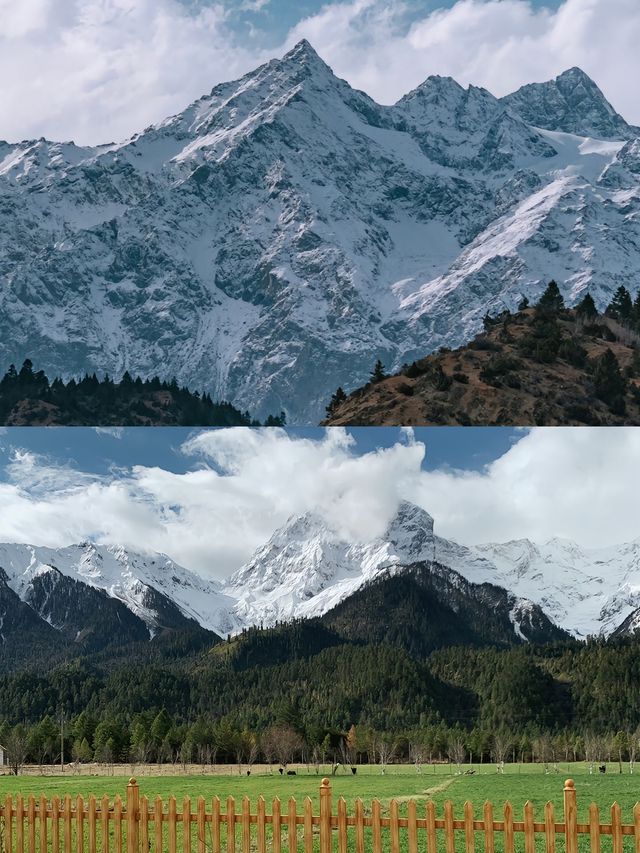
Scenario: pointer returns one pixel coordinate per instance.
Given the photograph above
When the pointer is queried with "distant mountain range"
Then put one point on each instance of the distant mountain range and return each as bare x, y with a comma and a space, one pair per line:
408, 581
272, 240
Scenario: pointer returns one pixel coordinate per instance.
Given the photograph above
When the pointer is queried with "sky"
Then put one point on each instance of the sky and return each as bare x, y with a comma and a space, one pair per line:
99, 70
209, 498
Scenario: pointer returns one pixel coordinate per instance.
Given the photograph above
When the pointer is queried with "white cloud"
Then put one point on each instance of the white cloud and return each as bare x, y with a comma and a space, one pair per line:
575, 483
99, 70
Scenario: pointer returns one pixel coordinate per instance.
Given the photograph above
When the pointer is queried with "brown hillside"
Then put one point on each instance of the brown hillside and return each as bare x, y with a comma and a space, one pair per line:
522, 371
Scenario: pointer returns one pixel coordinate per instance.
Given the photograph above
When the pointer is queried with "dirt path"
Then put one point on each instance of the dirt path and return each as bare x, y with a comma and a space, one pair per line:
428, 792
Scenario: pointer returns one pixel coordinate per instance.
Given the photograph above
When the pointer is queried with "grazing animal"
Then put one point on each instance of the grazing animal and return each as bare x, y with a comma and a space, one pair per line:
291, 773
281, 771
602, 768
354, 770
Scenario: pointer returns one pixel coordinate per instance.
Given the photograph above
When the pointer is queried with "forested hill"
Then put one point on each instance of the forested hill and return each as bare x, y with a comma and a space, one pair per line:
544, 364
29, 398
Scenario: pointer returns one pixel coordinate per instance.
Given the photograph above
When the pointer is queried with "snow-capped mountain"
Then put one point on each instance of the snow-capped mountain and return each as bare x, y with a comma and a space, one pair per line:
305, 569
274, 238
586, 591
60, 585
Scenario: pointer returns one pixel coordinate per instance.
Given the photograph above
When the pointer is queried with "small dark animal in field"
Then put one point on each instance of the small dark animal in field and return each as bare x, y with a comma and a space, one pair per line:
354, 770
291, 773
248, 772
470, 772
281, 771
602, 768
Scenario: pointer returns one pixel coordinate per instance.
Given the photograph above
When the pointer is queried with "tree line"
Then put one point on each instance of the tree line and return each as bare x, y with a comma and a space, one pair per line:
129, 401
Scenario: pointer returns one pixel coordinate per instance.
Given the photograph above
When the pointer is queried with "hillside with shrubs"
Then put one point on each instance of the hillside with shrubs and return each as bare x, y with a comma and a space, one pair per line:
546, 364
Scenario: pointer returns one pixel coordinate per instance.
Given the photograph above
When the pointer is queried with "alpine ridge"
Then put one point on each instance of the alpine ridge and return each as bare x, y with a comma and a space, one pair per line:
272, 240
88, 593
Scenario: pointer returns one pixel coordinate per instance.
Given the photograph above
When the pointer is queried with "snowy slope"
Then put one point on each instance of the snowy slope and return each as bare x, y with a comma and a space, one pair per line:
133, 579
274, 238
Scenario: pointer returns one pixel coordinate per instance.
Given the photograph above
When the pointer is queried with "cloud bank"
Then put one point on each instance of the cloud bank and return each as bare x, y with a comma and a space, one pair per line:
100, 70
579, 484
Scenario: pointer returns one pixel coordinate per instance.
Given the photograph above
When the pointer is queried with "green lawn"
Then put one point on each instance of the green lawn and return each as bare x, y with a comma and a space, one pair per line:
518, 784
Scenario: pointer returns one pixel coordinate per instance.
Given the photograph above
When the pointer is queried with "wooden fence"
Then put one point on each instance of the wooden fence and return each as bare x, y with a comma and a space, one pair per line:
35, 825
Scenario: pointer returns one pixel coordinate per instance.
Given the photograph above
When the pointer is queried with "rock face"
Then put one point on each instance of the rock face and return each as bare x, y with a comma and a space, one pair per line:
271, 241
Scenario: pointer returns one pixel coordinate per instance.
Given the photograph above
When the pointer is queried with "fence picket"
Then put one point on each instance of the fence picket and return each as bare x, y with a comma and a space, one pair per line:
144, 826
158, 814
92, 824
616, 829
186, 825
276, 826
508, 828
432, 842
172, 826
342, 827
376, 827
636, 826
449, 832
31, 824
246, 825
469, 837
412, 827
66, 809
308, 825
44, 844
594, 827
8, 822
231, 825
104, 823
215, 825
359, 826
489, 836
79, 824
393, 827
55, 824
549, 828
202, 826
292, 829
117, 824
529, 832
19, 824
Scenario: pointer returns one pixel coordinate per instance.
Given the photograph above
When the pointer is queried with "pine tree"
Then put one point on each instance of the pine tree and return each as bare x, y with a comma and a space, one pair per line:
523, 304
621, 306
336, 400
551, 301
586, 308
609, 383
378, 373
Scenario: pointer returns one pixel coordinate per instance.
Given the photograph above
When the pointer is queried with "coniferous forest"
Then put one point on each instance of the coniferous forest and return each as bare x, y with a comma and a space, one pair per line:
29, 398
299, 691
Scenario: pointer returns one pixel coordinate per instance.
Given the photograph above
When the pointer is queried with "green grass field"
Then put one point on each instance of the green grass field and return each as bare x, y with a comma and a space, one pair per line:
518, 784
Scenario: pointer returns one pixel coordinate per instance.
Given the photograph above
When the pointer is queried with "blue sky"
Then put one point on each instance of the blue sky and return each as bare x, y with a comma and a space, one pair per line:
100, 451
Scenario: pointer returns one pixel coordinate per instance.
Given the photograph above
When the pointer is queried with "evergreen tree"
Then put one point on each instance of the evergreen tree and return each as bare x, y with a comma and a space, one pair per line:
523, 304
621, 306
609, 384
378, 373
336, 400
551, 301
586, 308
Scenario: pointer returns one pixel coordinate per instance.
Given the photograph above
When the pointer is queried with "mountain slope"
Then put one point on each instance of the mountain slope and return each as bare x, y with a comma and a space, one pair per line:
508, 375
274, 238
428, 606
95, 595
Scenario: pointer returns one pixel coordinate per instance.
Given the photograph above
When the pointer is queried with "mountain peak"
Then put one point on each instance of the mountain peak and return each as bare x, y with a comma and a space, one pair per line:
571, 103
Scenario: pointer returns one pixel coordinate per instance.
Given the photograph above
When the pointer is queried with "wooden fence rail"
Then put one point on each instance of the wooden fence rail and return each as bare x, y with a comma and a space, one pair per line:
35, 825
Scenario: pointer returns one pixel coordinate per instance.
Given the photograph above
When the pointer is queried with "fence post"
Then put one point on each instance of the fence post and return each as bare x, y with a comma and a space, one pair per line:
325, 816
133, 816
570, 817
